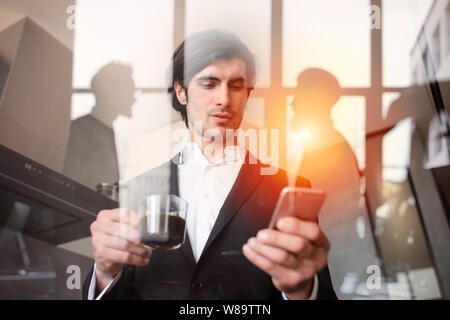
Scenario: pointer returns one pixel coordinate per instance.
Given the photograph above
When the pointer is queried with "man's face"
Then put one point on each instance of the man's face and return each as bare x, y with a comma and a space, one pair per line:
217, 96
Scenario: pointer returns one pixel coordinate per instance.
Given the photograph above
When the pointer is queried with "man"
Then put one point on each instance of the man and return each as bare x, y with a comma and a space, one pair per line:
231, 202
331, 165
91, 156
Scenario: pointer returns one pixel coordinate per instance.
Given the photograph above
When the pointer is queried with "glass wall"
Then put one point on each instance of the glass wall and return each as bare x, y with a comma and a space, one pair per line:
368, 80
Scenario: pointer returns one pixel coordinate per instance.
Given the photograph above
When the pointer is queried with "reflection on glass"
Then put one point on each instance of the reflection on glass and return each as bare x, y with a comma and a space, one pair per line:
327, 34
352, 127
234, 16
254, 115
31, 265
415, 42
387, 99
82, 104
403, 245
332, 35
402, 22
91, 156
139, 34
148, 129
4, 70
329, 162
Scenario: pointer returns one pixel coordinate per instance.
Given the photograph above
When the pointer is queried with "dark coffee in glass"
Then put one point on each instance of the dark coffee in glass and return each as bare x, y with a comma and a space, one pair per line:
170, 235
162, 222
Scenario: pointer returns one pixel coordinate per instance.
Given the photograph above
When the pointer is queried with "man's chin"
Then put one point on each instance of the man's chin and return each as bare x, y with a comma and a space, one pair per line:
215, 133
219, 132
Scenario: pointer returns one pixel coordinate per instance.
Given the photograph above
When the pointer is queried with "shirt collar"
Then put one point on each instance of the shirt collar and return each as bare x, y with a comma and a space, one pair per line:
191, 154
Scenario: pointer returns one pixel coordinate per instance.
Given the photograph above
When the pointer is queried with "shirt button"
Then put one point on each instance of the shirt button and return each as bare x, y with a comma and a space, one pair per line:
197, 285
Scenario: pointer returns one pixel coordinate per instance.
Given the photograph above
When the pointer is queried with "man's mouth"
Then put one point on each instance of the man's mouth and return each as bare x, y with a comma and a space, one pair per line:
221, 116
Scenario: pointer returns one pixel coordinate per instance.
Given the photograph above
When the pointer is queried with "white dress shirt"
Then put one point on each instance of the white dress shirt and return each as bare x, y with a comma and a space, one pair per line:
204, 186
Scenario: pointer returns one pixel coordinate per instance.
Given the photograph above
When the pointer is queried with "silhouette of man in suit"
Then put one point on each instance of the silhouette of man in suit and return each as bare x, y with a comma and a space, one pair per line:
330, 164
91, 156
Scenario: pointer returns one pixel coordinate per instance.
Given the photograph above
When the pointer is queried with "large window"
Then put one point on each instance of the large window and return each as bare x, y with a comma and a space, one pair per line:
379, 71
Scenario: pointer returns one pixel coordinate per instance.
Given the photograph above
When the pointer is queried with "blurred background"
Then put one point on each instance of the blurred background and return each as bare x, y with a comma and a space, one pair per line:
83, 106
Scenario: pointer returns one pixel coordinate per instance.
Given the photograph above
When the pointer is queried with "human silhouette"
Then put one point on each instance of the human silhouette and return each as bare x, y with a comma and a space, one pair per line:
91, 156
330, 164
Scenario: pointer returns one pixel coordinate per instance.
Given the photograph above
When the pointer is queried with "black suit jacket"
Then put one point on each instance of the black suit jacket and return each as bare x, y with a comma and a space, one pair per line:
175, 274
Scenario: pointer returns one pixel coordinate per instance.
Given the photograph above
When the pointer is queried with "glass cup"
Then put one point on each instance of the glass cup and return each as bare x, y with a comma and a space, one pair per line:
162, 221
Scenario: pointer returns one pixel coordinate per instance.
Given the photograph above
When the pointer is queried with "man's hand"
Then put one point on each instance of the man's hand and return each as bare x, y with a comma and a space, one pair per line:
291, 255
115, 241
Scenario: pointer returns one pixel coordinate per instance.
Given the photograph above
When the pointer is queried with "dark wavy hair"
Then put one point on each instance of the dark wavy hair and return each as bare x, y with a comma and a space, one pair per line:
199, 51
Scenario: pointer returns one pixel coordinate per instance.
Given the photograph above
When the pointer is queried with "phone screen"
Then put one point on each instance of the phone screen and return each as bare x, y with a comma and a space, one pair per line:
302, 203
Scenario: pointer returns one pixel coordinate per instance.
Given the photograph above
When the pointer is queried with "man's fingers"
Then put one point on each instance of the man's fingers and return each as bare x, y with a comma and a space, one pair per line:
307, 229
274, 254
112, 242
290, 242
263, 263
122, 215
113, 256
117, 229
284, 278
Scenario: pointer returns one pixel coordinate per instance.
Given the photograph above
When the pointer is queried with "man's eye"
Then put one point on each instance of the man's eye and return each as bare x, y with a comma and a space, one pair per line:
207, 84
237, 86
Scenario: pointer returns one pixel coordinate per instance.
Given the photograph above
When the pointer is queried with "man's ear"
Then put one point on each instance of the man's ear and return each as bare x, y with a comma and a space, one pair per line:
181, 93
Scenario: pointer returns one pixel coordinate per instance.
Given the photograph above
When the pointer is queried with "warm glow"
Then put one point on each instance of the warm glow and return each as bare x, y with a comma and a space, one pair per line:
301, 135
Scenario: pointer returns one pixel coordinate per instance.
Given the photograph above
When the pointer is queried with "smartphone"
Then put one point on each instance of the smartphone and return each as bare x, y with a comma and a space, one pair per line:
302, 203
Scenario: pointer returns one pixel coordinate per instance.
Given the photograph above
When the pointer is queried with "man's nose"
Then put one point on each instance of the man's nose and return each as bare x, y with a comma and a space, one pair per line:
223, 98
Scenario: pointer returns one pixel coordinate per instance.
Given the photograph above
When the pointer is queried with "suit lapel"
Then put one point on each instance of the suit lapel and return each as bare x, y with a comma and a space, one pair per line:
246, 181
186, 248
